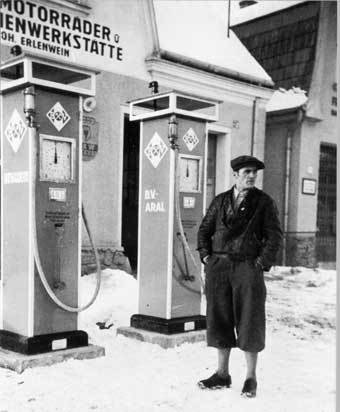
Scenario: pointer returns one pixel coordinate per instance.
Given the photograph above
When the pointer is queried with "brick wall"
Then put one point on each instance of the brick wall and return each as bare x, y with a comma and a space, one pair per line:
301, 250
109, 258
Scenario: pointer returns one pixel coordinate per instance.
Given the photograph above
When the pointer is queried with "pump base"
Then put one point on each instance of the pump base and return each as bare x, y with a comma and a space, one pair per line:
161, 339
18, 362
168, 326
42, 343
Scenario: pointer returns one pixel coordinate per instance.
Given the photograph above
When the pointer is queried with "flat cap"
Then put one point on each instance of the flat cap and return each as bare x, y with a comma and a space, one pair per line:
243, 161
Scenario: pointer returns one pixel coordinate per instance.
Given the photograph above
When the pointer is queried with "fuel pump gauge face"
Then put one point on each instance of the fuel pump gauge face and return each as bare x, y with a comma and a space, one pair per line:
189, 174
57, 159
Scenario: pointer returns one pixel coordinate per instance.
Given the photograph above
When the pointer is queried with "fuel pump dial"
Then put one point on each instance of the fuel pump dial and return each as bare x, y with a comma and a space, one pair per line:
57, 159
190, 173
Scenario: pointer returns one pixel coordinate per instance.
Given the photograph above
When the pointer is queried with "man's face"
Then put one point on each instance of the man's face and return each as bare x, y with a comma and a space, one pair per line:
245, 177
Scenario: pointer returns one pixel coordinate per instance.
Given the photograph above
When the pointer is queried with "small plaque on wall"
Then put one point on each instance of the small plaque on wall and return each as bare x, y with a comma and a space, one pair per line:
90, 137
308, 186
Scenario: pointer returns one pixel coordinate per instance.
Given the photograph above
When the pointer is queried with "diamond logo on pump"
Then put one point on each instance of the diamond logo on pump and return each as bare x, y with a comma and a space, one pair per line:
155, 150
15, 130
58, 116
190, 139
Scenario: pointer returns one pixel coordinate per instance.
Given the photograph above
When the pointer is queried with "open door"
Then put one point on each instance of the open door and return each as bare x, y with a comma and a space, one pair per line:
130, 191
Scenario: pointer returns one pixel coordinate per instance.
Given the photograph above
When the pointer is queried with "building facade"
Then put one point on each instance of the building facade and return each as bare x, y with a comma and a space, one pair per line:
136, 46
298, 48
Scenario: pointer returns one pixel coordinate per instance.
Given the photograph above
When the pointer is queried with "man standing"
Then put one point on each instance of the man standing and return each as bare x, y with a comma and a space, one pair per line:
238, 239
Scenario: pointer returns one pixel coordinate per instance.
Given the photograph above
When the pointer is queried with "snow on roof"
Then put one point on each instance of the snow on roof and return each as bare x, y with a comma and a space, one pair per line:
198, 30
286, 99
262, 8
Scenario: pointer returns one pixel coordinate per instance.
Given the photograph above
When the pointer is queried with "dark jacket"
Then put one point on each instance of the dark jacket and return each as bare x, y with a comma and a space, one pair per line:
252, 232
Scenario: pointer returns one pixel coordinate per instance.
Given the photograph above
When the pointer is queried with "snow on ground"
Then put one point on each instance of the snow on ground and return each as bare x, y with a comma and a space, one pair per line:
296, 372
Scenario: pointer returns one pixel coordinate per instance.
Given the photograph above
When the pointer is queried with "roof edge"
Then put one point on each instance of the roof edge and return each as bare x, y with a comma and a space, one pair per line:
222, 71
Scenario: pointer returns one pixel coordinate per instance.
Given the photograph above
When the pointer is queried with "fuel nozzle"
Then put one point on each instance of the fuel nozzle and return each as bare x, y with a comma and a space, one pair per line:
58, 284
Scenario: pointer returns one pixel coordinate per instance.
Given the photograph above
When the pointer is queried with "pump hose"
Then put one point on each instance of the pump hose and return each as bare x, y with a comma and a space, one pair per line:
40, 270
179, 218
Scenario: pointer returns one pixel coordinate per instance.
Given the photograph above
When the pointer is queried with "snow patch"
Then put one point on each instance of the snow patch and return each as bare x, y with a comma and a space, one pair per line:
295, 372
198, 30
287, 99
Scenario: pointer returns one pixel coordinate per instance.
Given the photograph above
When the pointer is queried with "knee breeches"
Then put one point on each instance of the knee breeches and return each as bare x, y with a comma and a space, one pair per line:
236, 295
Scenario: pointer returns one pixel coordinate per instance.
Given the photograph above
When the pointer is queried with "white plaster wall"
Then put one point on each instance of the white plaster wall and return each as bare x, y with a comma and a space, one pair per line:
313, 133
239, 119
102, 176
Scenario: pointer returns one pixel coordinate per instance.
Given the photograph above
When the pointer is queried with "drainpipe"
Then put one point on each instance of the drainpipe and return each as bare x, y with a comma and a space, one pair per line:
290, 134
228, 31
253, 127
287, 186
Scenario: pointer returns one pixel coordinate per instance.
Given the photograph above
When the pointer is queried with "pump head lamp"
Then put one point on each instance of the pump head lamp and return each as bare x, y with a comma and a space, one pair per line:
172, 132
29, 105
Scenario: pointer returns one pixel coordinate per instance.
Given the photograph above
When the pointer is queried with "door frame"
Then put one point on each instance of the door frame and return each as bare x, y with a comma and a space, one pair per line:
124, 110
223, 157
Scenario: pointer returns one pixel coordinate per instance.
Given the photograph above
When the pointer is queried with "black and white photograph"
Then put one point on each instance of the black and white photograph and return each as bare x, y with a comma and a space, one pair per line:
168, 196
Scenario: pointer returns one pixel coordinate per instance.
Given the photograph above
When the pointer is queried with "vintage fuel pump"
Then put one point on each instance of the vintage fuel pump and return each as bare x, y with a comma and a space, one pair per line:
41, 116
171, 202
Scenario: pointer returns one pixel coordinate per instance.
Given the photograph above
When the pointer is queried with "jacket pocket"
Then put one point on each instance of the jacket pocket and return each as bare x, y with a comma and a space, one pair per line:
211, 262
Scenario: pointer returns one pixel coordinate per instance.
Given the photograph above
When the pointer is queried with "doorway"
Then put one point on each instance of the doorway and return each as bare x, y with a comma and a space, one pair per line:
130, 190
211, 169
218, 160
326, 214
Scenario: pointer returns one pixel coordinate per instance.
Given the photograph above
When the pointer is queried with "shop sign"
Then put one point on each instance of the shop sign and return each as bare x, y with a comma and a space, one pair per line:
90, 137
39, 27
308, 186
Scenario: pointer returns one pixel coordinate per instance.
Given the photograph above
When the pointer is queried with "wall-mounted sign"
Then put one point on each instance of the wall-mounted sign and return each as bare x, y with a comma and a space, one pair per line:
90, 137
109, 36
334, 100
50, 30
308, 186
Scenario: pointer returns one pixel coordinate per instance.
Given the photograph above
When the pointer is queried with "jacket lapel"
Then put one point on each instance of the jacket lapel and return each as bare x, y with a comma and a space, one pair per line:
236, 222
